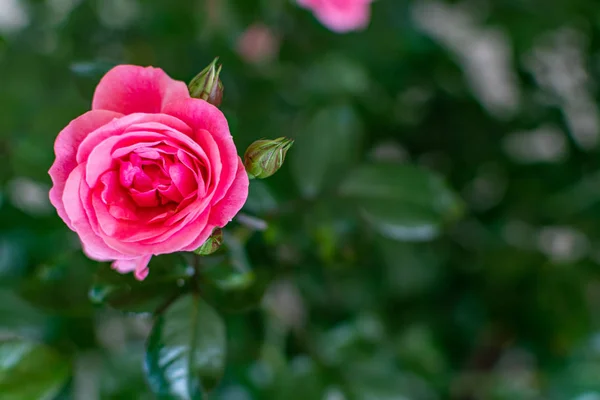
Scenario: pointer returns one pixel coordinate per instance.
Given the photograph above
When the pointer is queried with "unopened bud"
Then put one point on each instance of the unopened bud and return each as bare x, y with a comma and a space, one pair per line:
207, 85
264, 157
212, 244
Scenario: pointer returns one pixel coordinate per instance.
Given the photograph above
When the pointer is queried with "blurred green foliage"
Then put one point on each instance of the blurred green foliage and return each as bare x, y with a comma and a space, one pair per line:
433, 233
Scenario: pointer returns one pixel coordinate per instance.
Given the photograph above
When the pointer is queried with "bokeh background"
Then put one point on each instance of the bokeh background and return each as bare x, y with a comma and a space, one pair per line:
433, 234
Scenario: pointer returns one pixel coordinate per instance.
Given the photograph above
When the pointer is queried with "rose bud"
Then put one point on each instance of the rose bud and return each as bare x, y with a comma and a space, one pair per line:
207, 85
212, 244
264, 157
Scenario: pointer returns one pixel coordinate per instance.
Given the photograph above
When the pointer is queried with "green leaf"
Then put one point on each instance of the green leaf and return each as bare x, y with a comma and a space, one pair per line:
411, 269
13, 254
19, 316
402, 202
339, 345
401, 222
231, 290
418, 349
30, 371
123, 292
579, 374
387, 384
185, 353
301, 380
122, 376
325, 148
375, 376
60, 287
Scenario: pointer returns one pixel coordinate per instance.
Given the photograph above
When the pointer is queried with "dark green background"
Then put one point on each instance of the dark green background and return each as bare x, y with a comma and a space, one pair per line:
414, 295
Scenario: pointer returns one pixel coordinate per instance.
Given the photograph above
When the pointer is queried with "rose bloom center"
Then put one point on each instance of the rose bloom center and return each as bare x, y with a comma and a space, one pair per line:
154, 176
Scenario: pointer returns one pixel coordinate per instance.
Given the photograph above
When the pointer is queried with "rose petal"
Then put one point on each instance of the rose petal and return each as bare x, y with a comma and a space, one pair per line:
93, 244
121, 234
132, 89
120, 126
148, 153
174, 239
137, 148
65, 148
100, 161
145, 199
183, 178
101, 157
224, 211
202, 116
116, 198
211, 174
139, 265
197, 168
127, 173
170, 193
200, 239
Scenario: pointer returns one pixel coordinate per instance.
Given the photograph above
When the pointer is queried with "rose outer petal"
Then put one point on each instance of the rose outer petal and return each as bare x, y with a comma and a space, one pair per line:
139, 265
129, 89
122, 125
205, 118
65, 148
177, 238
224, 211
93, 245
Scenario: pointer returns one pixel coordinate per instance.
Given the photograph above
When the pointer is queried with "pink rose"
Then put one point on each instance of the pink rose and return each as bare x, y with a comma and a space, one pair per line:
147, 171
340, 15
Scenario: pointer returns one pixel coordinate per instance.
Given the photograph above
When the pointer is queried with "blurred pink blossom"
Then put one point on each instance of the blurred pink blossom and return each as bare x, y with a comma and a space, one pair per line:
340, 15
258, 44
